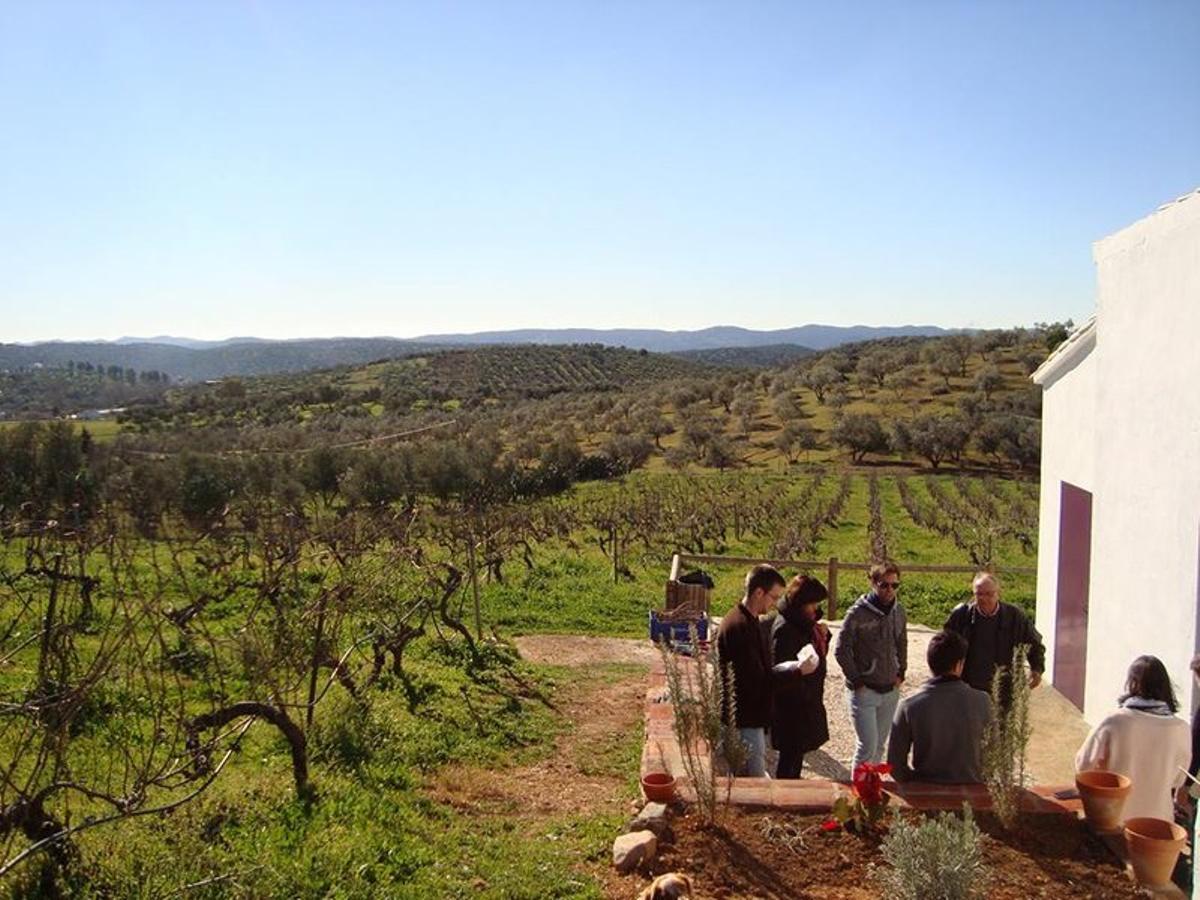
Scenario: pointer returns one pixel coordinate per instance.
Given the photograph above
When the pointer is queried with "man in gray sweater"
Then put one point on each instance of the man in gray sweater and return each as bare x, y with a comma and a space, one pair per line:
872, 650
943, 722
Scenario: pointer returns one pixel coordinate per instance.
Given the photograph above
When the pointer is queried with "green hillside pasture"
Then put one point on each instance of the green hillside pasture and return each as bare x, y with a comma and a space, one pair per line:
102, 430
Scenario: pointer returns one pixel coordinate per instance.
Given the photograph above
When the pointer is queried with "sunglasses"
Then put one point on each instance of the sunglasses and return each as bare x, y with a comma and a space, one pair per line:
889, 584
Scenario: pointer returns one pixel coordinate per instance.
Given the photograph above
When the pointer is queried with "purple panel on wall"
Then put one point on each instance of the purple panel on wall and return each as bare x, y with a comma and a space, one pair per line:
1196, 652
1074, 580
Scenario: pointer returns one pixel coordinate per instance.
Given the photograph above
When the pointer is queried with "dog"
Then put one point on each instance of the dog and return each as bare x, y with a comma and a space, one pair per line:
672, 886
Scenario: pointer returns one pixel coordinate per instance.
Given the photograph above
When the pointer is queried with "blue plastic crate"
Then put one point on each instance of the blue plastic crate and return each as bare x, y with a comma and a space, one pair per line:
677, 632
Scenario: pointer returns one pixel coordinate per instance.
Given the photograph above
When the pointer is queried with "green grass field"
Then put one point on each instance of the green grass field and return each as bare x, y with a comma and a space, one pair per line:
101, 430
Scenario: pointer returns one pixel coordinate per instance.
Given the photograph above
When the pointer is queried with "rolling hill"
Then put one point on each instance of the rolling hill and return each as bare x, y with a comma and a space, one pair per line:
241, 357
818, 337
186, 359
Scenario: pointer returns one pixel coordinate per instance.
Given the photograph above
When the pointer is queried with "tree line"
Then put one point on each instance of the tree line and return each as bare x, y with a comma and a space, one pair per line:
117, 373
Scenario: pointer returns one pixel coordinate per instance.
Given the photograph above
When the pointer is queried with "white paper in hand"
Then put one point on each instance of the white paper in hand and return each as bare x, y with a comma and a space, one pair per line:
808, 659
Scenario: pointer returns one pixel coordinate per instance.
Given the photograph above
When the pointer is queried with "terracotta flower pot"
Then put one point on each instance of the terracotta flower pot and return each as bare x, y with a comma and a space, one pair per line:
1103, 794
1153, 846
659, 787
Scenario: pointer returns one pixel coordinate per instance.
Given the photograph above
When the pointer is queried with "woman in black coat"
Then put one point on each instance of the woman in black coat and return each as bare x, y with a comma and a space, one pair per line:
798, 722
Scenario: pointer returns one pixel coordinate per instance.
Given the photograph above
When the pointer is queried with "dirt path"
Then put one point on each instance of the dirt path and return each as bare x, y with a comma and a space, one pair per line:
602, 708
578, 650
574, 777
588, 771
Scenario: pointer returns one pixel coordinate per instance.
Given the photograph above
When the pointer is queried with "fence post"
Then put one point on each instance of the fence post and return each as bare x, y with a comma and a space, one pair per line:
831, 585
675, 562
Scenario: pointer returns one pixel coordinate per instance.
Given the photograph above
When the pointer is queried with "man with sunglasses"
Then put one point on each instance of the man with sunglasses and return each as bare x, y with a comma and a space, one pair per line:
872, 650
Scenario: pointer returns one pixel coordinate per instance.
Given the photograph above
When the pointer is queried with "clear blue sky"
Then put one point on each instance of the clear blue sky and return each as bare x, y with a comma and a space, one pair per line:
293, 169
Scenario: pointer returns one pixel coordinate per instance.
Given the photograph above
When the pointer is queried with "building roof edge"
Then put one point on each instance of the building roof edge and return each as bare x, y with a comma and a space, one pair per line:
1067, 355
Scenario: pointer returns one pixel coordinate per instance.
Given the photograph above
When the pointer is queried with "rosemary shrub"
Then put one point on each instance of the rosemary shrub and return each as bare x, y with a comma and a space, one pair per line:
1007, 737
696, 689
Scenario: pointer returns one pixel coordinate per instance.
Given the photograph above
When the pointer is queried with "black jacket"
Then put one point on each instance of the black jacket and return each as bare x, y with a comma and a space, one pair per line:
742, 646
1012, 628
798, 718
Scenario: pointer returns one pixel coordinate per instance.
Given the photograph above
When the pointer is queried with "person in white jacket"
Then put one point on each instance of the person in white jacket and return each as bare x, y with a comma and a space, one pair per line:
1144, 740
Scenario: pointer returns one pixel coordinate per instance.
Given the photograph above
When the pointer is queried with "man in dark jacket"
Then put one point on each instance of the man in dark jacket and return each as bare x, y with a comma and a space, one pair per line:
742, 647
993, 630
943, 723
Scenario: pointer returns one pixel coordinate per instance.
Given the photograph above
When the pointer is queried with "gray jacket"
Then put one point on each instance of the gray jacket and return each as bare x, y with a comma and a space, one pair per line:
943, 723
872, 648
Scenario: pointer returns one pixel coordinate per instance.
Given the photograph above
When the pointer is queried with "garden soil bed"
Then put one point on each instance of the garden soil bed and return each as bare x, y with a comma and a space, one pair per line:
776, 855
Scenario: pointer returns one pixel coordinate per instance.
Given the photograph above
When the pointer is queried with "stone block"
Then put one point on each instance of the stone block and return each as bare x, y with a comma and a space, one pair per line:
634, 849
653, 817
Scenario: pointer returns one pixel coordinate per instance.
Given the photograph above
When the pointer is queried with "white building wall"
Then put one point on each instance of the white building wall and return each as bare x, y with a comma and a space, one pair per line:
1146, 502
1068, 454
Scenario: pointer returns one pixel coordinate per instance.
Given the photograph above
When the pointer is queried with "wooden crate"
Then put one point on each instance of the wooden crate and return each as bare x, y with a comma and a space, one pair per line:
694, 598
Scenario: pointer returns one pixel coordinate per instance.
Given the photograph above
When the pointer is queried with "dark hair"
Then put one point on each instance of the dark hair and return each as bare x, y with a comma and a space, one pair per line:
1149, 680
763, 577
882, 569
805, 589
946, 650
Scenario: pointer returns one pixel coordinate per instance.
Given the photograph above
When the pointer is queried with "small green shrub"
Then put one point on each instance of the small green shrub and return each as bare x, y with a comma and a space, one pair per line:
939, 859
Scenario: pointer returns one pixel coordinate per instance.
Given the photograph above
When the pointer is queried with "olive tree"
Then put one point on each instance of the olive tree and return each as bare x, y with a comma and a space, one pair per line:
860, 433
934, 437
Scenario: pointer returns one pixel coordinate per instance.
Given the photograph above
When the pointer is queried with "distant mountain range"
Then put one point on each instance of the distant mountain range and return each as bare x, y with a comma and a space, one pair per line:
193, 343
814, 337
196, 360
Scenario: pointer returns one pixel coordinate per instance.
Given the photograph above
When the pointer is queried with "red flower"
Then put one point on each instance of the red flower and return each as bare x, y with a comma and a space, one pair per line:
864, 811
831, 825
870, 792
867, 782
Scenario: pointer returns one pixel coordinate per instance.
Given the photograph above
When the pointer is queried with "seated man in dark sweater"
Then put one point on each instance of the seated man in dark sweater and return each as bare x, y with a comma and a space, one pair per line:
943, 722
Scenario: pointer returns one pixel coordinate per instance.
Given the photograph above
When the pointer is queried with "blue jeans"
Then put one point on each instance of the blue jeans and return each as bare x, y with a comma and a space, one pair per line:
755, 742
872, 714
